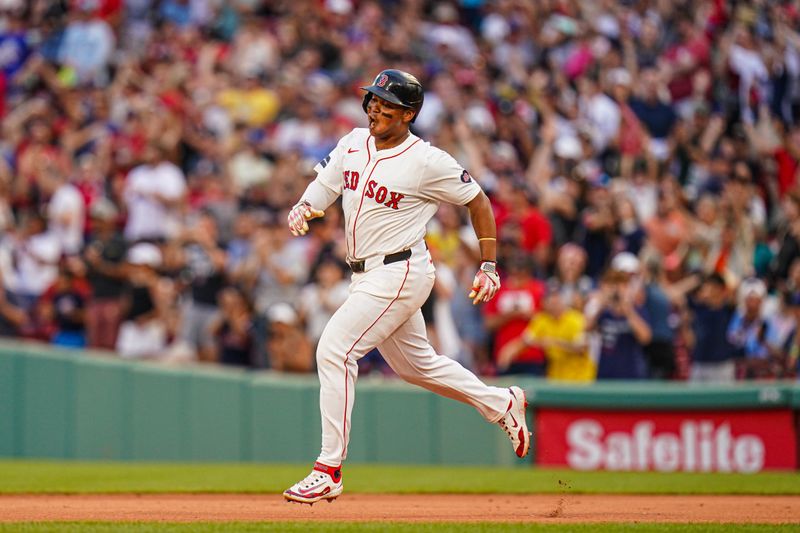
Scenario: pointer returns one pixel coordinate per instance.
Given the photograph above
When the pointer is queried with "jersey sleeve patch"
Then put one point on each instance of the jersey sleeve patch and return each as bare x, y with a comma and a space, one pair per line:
324, 162
465, 177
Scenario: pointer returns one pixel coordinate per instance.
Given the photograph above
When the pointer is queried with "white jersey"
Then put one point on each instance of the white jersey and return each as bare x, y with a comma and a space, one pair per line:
388, 196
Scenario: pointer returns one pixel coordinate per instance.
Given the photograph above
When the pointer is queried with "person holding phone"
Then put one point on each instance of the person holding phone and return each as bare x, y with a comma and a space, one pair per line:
621, 324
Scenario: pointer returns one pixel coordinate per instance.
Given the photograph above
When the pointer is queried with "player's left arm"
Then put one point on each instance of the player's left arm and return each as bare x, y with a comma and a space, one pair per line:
487, 281
444, 180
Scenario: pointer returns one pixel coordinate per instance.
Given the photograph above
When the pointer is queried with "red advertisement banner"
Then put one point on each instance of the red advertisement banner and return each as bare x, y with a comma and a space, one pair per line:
688, 441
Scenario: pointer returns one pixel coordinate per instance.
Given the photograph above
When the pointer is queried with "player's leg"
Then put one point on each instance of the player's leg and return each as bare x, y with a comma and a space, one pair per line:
369, 315
410, 354
362, 322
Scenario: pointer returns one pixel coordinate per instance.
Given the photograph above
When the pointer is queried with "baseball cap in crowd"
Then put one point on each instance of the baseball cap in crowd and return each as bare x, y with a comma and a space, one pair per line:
87, 5
564, 24
504, 152
619, 76
103, 209
625, 262
10, 5
445, 13
339, 7
553, 286
282, 313
479, 119
752, 287
568, 147
144, 253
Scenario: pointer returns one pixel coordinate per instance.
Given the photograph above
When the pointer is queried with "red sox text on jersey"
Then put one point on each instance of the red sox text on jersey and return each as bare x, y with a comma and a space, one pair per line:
350, 178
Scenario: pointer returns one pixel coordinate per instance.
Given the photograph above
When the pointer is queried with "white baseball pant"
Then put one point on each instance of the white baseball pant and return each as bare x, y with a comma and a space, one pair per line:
383, 311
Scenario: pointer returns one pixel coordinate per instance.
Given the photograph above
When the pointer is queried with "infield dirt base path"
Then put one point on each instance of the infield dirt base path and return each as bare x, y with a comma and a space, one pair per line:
403, 508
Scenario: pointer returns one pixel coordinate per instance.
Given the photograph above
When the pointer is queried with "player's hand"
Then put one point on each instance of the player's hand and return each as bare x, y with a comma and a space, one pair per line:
299, 216
485, 284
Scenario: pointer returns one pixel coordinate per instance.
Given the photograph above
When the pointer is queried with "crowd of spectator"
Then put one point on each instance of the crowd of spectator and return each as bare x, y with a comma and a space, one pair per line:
641, 157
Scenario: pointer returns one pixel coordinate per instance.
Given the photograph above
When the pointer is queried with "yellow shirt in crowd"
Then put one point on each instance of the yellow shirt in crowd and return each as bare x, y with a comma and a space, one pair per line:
563, 364
254, 107
447, 245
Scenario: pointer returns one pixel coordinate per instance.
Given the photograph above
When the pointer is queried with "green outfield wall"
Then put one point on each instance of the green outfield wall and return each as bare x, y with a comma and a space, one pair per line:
71, 404
83, 405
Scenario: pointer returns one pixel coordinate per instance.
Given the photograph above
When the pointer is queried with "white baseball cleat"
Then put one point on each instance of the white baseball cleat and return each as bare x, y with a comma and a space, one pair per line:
514, 423
323, 483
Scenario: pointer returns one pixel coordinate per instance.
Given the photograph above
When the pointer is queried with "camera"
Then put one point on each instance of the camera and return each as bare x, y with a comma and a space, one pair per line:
615, 297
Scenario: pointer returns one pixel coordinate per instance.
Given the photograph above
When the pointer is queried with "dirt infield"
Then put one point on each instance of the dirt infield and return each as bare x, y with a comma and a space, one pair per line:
404, 508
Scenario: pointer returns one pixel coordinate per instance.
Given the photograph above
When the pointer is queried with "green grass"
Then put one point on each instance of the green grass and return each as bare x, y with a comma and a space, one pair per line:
377, 527
80, 477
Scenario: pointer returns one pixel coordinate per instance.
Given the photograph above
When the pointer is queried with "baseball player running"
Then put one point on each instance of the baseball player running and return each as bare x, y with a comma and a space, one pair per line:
391, 183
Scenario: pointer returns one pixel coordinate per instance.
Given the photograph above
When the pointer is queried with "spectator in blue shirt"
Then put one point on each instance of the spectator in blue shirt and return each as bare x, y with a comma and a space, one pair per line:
712, 356
658, 118
660, 351
14, 46
747, 329
622, 327
177, 12
791, 347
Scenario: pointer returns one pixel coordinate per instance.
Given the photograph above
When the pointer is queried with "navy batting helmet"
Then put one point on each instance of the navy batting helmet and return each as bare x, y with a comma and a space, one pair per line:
397, 87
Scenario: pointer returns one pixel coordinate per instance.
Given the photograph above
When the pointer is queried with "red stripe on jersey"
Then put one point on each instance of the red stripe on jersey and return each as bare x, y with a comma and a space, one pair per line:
366, 181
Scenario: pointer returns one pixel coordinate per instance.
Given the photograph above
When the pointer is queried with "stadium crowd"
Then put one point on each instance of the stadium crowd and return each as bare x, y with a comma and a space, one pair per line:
641, 157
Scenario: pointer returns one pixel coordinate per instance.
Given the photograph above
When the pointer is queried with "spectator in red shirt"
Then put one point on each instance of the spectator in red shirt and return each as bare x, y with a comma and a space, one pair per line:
507, 315
522, 220
690, 54
62, 307
787, 156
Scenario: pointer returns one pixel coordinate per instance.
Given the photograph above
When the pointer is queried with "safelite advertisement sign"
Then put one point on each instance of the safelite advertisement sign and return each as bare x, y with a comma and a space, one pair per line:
687, 441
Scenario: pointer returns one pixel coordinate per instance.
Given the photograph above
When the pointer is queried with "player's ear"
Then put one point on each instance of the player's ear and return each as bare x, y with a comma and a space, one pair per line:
408, 115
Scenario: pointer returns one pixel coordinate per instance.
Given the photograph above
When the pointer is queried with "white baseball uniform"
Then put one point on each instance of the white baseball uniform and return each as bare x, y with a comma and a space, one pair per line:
388, 197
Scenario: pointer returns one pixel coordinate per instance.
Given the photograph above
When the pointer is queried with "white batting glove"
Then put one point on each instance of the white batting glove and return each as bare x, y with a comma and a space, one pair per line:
486, 283
299, 216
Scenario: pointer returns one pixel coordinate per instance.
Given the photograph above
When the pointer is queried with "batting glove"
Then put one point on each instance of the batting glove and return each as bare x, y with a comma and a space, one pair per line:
485, 284
299, 216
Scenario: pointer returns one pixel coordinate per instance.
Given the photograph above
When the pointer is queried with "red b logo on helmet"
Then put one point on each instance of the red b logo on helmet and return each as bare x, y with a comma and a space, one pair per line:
382, 80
